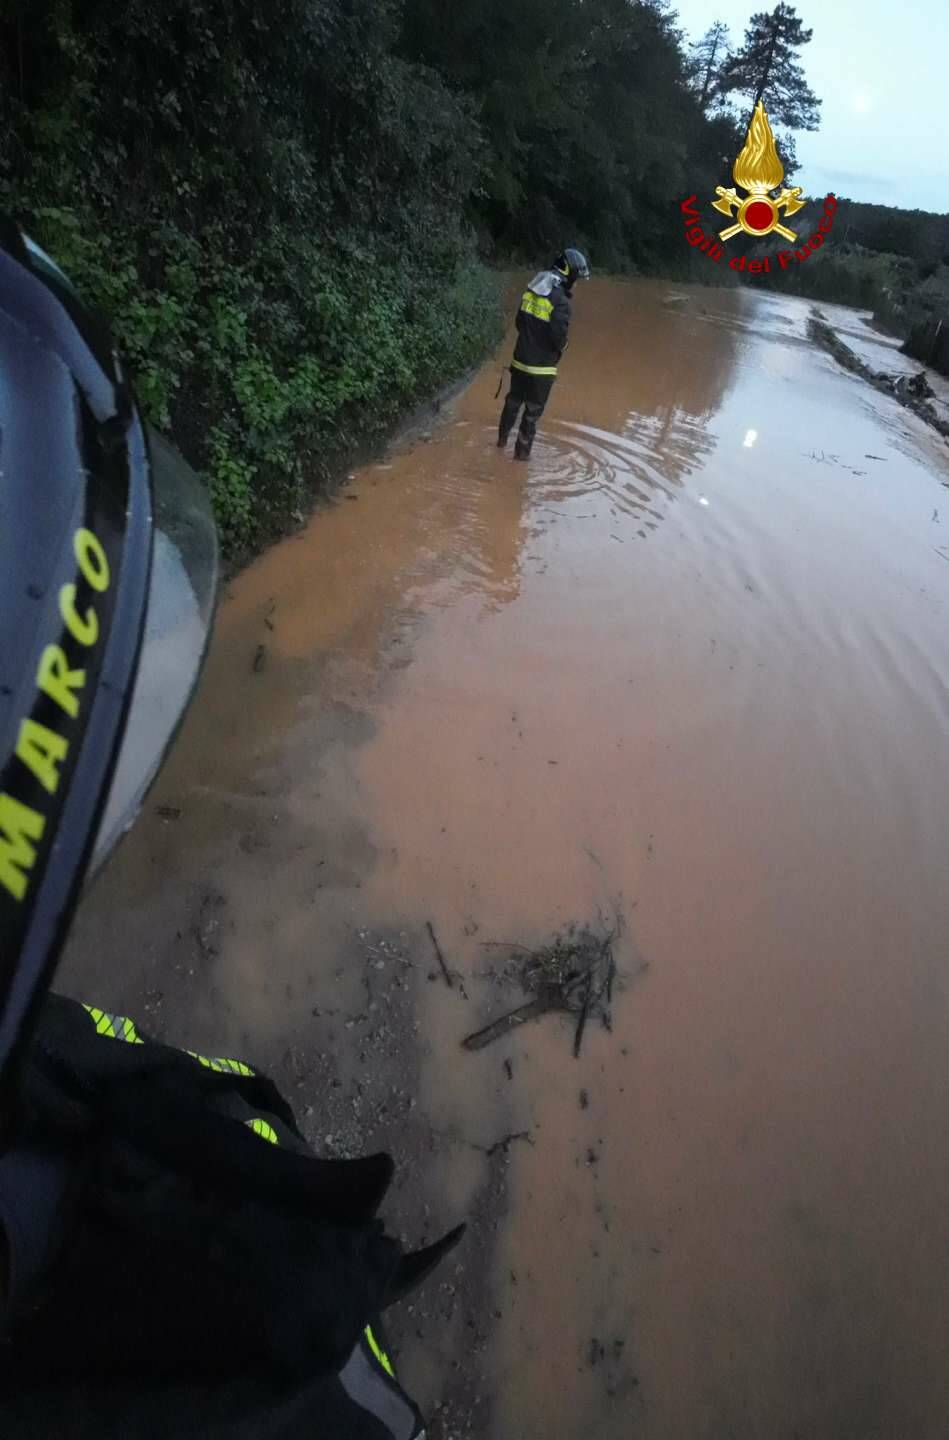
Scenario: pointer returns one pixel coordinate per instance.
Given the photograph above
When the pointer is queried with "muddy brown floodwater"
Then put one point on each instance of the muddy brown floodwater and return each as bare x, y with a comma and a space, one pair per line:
688, 666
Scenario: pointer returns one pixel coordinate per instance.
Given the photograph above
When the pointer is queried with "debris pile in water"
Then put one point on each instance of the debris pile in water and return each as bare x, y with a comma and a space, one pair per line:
573, 974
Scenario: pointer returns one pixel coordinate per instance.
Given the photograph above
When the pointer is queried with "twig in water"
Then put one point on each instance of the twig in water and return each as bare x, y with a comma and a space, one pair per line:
441, 959
506, 1141
582, 1020
510, 1021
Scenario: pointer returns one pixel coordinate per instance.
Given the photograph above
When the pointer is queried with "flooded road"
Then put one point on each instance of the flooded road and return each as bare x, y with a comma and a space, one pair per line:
689, 667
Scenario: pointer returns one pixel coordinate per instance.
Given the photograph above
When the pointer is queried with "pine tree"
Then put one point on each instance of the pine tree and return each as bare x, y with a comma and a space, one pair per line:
767, 68
709, 57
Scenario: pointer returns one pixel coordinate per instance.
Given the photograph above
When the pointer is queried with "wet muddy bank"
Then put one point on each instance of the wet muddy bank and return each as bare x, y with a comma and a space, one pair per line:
689, 666
915, 391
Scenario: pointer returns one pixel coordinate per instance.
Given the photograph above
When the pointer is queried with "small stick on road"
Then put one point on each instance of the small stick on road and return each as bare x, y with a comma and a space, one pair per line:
582, 1021
514, 1018
508, 1140
441, 959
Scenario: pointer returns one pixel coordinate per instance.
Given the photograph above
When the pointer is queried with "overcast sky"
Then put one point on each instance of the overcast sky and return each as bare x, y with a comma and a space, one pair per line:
881, 70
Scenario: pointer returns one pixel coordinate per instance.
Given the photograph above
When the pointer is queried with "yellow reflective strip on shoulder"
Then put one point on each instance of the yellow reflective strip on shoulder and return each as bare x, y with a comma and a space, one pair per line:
378, 1351
221, 1067
116, 1027
536, 305
126, 1031
103, 1022
534, 369
261, 1128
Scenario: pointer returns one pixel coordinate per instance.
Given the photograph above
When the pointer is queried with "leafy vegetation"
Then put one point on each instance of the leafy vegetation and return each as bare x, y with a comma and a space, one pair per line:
708, 57
902, 257
767, 68
893, 262
273, 216
593, 129
290, 215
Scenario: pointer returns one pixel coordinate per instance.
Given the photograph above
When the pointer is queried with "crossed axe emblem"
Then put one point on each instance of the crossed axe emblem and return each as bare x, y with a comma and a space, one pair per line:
758, 214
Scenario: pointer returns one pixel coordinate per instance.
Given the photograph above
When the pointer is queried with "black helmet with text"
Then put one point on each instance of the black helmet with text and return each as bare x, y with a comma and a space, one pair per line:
108, 576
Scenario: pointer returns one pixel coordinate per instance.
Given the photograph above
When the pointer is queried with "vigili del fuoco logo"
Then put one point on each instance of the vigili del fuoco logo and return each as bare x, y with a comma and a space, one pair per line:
758, 170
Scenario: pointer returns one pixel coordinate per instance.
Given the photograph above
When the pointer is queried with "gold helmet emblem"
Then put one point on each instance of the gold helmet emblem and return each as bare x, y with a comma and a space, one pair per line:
758, 170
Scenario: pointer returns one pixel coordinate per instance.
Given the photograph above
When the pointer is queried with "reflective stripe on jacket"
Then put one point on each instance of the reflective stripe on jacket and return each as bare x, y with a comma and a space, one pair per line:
208, 1277
542, 324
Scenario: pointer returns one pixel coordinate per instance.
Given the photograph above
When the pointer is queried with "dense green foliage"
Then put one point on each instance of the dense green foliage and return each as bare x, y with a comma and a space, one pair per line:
287, 210
708, 58
768, 68
272, 215
893, 262
594, 132
905, 254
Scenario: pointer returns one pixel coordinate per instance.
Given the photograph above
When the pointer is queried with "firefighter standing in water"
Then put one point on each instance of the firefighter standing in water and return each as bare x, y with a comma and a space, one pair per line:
175, 1261
543, 321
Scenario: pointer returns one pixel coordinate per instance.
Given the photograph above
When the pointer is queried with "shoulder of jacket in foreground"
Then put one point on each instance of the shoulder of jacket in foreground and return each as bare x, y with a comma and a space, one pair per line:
546, 282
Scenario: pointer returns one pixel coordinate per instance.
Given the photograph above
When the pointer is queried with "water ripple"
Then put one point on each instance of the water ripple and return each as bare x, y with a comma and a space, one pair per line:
634, 470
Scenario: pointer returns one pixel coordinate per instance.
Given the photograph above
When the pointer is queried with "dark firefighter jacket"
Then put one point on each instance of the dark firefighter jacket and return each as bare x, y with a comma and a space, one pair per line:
542, 324
209, 1284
